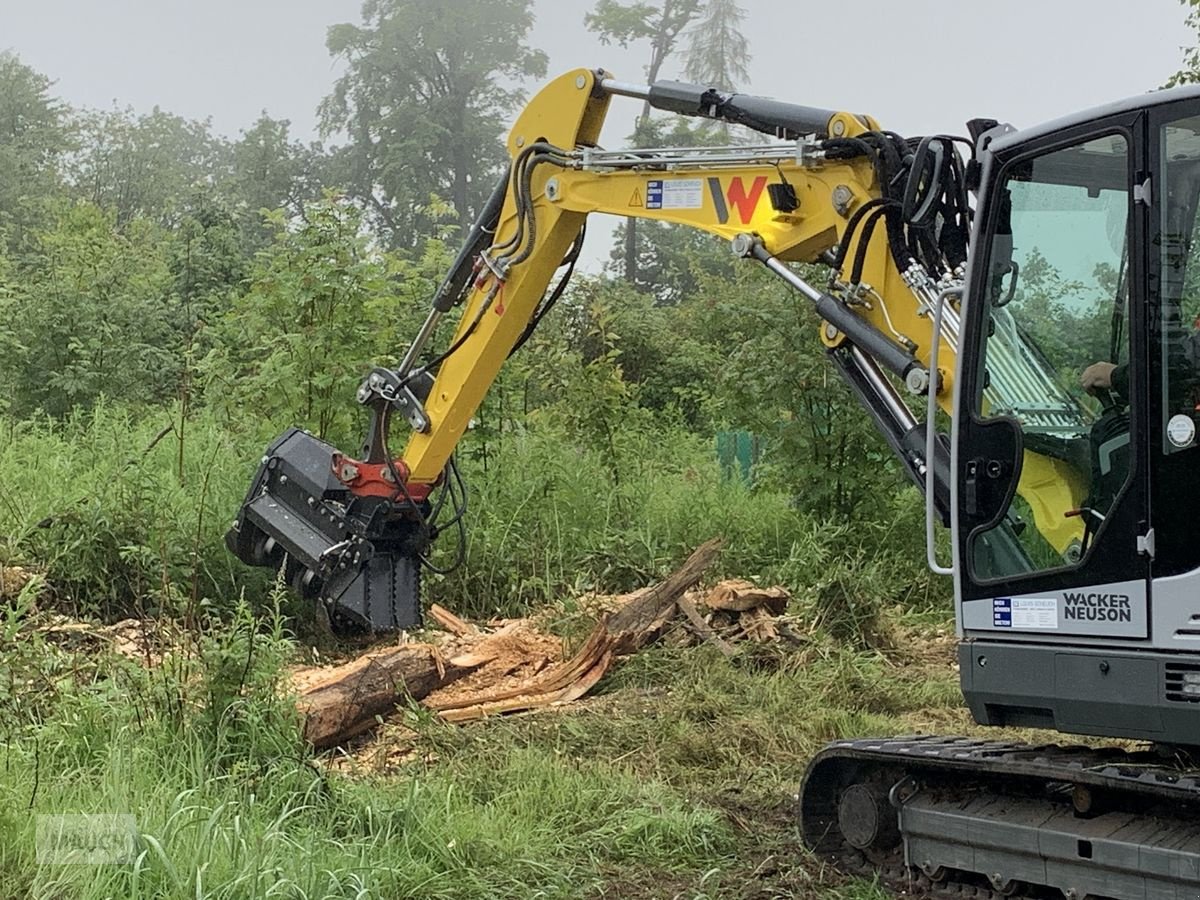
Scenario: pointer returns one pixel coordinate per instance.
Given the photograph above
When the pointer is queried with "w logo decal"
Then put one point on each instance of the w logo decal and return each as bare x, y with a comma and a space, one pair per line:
736, 195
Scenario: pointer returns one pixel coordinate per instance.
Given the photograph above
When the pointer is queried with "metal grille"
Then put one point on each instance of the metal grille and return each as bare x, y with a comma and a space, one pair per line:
1175, 682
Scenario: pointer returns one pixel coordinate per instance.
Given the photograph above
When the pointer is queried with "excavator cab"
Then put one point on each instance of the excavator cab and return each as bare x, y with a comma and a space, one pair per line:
1074, 509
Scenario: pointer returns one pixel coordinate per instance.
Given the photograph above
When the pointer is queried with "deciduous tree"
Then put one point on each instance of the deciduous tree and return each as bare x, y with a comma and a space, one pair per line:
427, 90
33, 135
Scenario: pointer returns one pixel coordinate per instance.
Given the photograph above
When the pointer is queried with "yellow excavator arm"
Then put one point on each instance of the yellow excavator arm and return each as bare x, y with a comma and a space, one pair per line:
729, 192
889, 218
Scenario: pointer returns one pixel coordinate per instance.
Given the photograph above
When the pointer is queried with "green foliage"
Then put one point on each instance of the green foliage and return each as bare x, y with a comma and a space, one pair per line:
427, 89
271, 171
141, 166
91, 317
295, 346
1190, 73
659, 23
33, 136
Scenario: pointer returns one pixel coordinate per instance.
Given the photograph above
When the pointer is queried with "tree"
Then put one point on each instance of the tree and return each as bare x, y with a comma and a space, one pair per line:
718, 53
427, 90
271, 171
145, 165
91, 317
33, 134
320, 304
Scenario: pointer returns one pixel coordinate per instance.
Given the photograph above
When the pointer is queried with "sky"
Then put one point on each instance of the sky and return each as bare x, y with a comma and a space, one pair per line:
918, 66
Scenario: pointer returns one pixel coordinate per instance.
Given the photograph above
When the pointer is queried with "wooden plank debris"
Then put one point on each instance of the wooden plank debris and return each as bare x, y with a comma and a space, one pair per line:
448, 621
701, 629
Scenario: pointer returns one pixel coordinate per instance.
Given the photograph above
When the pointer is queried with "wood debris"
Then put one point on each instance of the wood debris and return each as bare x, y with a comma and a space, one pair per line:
511, 666
736, 595
144, 640
13, 580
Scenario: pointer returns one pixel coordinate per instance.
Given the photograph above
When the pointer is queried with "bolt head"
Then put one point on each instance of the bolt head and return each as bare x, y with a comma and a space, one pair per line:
917, 381
520, 141
839, 128
580, 82
831, 331
742, 245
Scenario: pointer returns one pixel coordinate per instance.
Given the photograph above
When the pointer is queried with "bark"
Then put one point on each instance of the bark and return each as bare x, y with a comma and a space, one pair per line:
340, 702
641, 620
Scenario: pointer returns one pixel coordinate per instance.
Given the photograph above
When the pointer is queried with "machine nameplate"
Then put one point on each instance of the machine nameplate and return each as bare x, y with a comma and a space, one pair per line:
1110, 610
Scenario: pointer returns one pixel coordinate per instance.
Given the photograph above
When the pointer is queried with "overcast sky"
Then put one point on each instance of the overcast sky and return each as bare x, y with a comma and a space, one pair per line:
917, 66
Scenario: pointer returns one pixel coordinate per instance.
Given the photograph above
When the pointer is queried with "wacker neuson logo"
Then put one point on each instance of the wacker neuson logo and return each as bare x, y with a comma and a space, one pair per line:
1098, 608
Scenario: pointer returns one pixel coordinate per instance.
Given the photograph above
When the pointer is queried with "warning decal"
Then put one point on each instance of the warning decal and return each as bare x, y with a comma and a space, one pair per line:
684, 193
636, 199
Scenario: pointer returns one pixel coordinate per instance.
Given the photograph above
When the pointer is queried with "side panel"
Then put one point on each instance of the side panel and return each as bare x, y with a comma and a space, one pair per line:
1110, 610
1136, 694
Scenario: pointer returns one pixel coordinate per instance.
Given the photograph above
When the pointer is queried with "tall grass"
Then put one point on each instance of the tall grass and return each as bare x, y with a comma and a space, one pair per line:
204, 753
125, 516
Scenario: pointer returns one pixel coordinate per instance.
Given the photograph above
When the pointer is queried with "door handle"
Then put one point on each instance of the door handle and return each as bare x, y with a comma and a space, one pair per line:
971, 489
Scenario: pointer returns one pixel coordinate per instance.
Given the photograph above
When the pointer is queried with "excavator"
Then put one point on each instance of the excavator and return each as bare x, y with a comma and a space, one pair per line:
1016, 310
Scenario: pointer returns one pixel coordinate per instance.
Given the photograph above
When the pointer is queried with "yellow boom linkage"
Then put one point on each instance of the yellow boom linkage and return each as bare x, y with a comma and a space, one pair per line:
727, 197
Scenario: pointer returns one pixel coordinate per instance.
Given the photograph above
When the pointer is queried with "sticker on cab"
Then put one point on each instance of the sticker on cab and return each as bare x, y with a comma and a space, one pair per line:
1181, 430
1028, 613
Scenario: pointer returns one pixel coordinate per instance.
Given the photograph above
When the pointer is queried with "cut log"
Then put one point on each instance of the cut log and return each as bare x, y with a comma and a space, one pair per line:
641, 620
340, 702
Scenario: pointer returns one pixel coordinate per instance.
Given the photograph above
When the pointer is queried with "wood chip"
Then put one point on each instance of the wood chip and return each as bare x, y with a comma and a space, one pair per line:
448, 621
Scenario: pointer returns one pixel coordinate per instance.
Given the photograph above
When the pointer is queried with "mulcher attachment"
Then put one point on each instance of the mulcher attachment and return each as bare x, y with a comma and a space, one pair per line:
359, 555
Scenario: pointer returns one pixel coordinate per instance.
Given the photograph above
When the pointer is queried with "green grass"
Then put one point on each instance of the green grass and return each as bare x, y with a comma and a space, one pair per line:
101, 503
677, 779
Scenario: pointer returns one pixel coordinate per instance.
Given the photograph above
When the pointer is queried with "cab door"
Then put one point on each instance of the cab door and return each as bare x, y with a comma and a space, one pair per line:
1173, 388
1050, 469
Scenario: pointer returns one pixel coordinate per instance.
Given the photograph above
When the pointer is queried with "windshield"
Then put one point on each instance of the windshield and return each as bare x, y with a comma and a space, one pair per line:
1055, 351
1059, 286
